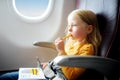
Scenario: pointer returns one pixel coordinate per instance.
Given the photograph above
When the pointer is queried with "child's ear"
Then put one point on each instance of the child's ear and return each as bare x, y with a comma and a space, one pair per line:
89, 29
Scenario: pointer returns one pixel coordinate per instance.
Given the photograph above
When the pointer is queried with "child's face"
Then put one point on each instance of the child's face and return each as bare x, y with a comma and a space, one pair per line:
78, 28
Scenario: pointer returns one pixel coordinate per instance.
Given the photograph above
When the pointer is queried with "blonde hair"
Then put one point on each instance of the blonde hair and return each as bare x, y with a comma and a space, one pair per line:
90, 18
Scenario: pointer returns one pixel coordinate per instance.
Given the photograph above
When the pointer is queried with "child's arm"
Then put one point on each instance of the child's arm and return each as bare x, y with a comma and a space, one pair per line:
59, 43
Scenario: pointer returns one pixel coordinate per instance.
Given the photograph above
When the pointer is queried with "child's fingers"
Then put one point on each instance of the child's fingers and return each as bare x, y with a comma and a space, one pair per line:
44, 65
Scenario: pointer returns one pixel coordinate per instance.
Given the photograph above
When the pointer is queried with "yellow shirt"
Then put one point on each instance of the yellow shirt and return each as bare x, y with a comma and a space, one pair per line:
75, 48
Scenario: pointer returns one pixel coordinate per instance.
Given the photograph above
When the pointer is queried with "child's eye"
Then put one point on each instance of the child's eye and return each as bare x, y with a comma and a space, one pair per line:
74, 25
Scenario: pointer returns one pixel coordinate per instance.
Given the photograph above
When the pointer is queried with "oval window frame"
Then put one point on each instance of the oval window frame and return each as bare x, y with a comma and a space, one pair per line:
35, 19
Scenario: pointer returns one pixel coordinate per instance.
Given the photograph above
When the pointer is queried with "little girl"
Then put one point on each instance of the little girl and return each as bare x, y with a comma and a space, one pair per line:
85, 39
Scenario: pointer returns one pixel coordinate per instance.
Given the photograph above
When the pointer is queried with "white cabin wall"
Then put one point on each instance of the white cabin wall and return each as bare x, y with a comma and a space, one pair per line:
17, 36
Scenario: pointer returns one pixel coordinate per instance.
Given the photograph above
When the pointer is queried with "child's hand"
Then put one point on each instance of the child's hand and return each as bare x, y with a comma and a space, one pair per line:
59, 43
44, 65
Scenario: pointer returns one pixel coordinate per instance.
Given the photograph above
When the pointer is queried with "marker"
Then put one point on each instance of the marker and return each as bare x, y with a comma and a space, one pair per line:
38, 62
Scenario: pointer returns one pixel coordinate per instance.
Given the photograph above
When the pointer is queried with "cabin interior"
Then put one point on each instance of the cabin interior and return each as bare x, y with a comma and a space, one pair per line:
17, 36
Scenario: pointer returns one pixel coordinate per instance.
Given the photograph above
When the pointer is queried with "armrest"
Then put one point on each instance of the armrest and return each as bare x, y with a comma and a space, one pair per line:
45, 44
106, 66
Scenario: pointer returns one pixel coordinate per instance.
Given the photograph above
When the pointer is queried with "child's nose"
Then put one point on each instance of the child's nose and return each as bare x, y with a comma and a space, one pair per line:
70, 29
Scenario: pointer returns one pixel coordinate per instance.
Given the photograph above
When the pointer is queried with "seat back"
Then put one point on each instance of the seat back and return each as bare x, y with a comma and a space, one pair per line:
107, 13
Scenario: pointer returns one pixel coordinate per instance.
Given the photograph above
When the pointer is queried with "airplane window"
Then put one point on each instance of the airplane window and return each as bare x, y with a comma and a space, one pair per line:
33, 10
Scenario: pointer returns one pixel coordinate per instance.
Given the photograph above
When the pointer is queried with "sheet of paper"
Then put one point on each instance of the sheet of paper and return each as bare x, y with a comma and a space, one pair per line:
31, 74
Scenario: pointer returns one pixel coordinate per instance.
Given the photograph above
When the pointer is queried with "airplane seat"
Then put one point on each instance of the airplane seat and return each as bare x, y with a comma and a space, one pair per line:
107, 12
104, 65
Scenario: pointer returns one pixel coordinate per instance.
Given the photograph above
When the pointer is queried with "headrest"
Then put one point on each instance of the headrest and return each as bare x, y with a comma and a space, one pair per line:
106, 11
